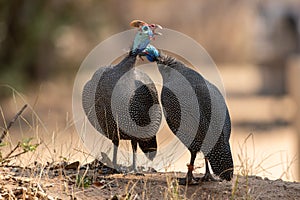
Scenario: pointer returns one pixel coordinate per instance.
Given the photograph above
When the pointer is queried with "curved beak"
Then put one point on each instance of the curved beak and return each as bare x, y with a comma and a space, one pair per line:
155, 26
158, 26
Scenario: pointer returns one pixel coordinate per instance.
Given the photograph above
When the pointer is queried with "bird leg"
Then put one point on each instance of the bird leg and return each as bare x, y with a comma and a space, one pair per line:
116, 145
134, 167
189, 179
134, 149
207, 176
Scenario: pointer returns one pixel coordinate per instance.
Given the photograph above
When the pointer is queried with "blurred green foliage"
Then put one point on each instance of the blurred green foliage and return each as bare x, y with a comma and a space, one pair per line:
27, 30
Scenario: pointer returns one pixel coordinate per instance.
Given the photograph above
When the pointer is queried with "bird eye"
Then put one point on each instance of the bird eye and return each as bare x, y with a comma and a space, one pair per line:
145, 28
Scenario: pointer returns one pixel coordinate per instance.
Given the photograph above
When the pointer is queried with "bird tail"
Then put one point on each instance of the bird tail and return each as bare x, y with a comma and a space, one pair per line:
220, 158
149, 147
221, 162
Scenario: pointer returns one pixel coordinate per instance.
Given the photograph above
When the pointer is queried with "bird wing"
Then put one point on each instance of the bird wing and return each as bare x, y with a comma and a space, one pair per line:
197, 113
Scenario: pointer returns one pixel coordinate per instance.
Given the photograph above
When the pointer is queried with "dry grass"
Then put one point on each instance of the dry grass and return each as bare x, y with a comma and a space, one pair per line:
249, 166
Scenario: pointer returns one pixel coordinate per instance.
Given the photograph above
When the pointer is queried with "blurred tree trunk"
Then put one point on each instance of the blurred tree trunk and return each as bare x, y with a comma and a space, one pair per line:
20, 44
26, 42
12, 30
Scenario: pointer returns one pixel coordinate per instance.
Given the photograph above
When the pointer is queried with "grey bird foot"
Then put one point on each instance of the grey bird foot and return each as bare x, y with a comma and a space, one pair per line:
138, 174
188, 181
135, 173
208, 178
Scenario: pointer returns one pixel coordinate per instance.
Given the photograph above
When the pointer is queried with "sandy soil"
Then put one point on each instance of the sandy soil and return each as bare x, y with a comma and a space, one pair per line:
66, 182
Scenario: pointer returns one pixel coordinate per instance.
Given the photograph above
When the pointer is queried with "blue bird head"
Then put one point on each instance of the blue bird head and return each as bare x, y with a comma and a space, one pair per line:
151, 53
139, 23
145, 34
142, 39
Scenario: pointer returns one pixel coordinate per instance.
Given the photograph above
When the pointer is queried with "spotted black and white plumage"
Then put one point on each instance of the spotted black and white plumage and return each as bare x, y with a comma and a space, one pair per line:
212, 108
219, 156
115, 85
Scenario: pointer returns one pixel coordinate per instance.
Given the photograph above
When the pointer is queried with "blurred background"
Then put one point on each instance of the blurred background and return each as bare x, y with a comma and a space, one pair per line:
255, 44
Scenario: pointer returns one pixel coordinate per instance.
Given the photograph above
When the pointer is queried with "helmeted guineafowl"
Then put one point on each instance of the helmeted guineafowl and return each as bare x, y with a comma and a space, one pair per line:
111, 89
197, 114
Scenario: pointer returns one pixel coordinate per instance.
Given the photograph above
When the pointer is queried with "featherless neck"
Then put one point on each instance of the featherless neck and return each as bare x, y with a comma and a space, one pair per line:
128, 62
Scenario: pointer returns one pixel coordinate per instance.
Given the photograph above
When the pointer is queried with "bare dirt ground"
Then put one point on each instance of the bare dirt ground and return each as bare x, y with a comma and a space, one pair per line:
63, 181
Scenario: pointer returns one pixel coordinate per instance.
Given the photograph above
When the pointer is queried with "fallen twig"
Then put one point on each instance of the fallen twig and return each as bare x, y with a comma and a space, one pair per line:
11, 122
12, 151
9, 156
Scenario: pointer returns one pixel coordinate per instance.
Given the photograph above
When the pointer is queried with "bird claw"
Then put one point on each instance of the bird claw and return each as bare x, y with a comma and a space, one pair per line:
134, 173
195, 181
208, 178
139, 174
188, 181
